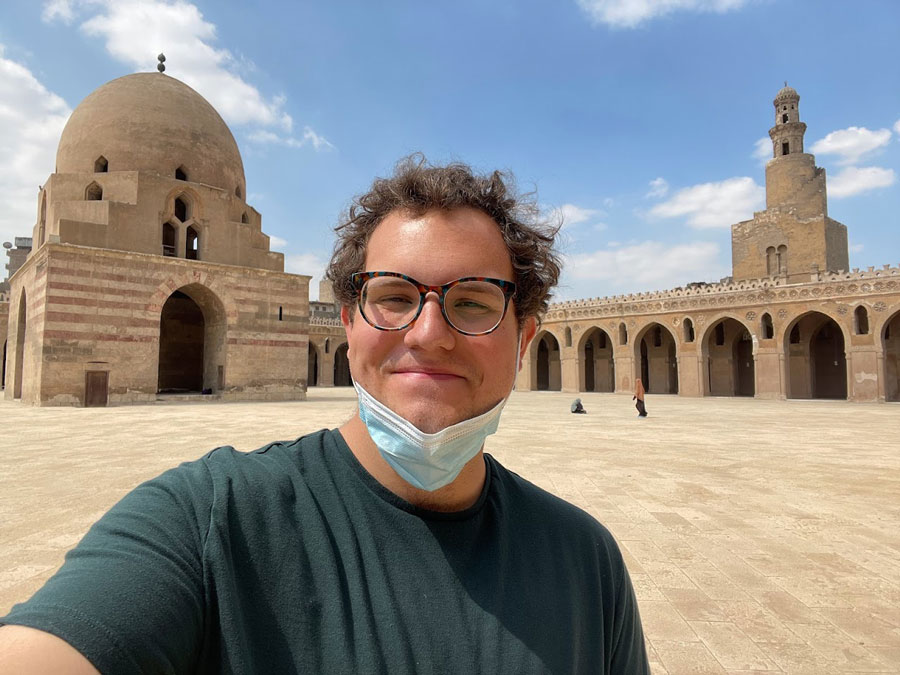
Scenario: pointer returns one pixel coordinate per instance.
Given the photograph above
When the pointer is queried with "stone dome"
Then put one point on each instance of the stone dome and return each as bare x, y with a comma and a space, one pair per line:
151, 122
786, 92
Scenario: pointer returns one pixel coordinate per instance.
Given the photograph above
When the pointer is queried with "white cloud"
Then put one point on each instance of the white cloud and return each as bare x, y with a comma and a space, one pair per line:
307, 263
851, 144
134, 31
58, 9
659, 187
266, 137
856, 248
276, 242
762, 149
631, 13
854, 180
897, 127
29, 133
649, 264
570, 214
714, 204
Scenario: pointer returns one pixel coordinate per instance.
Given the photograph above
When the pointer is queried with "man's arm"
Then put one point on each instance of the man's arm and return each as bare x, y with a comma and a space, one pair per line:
27, 651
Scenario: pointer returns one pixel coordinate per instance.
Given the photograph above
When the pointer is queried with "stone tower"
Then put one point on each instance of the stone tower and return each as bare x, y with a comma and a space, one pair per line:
793, 238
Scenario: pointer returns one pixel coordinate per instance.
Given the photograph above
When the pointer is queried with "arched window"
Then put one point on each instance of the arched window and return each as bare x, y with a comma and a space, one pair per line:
182, 208
180, 173
623, 334
238, 193
771, 265
784, 118
192, 244
280, 313
168, 239
785, 148
767, 329
327, 344
93, 193
861, 321
101, 165
688, 330
781, 256
568, 337
244, 218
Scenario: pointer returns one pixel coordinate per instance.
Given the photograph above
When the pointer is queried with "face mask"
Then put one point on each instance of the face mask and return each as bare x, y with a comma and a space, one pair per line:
426, 461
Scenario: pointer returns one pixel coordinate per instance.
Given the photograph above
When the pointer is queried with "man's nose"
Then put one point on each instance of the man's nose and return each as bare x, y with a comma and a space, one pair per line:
430, 330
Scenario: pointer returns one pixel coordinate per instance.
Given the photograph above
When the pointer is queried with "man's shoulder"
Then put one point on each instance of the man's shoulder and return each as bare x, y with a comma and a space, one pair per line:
544, 506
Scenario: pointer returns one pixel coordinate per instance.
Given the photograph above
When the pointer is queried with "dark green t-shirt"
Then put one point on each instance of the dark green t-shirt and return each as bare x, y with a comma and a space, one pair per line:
293, 558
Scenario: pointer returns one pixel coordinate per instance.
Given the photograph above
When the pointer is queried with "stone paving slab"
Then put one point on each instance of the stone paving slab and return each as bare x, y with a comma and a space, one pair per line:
762, 536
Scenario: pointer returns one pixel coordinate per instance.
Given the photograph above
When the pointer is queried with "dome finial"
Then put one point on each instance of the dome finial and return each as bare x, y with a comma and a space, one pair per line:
161, 65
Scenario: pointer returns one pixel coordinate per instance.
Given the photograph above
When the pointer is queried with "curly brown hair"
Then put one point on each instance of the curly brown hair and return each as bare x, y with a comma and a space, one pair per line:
418, 187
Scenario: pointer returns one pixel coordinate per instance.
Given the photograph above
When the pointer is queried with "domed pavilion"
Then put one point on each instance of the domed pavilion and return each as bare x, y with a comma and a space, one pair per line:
150, 275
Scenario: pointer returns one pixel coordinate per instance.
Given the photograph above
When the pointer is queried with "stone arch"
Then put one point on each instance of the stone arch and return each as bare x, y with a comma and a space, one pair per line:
93, 192
312, 366
568, 335
766, 327
861, 320
192, 341
21, 335
192, 242
547, 364
816, 363
596, 361
192, 201
181, 173
188, 278
687, 328
729, 364
656, 358
244, 219
238, 192
101, 165
342, 366
890, 346
623, 333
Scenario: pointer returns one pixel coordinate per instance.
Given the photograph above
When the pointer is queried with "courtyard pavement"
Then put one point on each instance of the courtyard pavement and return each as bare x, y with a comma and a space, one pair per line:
762, 536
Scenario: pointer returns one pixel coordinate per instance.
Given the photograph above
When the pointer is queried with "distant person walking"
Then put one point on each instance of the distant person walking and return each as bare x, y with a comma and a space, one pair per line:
639, 397
577, 408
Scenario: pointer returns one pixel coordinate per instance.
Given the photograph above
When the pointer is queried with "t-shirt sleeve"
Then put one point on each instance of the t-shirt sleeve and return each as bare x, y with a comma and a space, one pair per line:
130, 596
629, 652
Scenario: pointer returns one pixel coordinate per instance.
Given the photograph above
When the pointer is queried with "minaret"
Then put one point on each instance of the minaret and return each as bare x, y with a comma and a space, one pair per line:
794, 238
787, 134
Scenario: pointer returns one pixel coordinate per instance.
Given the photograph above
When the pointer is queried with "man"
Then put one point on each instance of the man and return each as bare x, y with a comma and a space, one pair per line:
390, 545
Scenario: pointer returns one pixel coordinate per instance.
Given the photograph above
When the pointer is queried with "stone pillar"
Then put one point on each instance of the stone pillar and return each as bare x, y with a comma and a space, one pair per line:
769, 365
326, 369
862, 374
526, 373
569, 368
624, 372
689, 374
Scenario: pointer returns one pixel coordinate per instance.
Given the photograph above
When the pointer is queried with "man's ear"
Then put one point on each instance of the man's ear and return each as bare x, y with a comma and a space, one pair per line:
529, 330
347, 321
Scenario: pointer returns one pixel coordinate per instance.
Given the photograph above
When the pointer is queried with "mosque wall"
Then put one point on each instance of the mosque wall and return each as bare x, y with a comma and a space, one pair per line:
846, 343
97, 310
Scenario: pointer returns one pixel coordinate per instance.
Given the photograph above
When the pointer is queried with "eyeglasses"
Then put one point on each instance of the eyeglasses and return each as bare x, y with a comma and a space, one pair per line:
471, 305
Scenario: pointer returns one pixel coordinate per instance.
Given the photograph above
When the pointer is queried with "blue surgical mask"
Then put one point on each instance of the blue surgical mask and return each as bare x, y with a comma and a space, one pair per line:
425, 461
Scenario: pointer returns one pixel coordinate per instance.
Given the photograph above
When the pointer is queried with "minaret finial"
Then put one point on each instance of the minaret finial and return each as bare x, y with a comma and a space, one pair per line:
785, 82
161, 65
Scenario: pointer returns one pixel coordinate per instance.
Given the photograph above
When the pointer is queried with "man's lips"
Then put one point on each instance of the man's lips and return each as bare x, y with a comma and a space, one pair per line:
418, 372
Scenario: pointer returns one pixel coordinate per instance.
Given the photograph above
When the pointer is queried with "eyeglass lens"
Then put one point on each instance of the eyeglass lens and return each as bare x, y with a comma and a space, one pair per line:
470, 306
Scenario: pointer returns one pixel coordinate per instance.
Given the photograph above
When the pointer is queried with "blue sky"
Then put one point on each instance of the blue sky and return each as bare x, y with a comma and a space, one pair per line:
640, 122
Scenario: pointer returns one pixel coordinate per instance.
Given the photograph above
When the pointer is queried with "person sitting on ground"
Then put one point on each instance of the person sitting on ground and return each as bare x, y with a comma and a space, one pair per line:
577, 408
